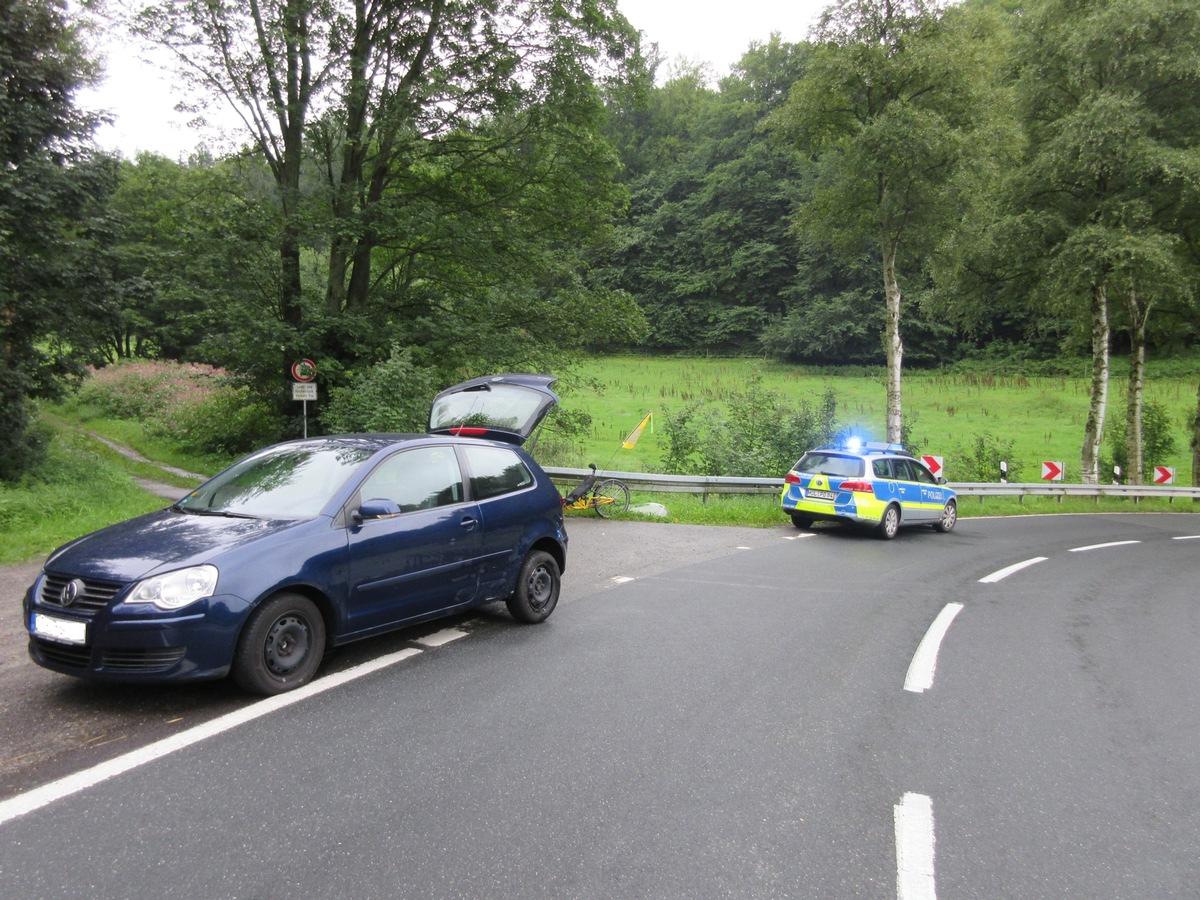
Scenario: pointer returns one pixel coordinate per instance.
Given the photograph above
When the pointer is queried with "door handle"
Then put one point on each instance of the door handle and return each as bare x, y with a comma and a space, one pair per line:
469, 522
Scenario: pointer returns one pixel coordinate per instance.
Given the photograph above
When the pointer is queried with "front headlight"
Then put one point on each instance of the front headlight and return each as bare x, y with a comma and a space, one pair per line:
176, 589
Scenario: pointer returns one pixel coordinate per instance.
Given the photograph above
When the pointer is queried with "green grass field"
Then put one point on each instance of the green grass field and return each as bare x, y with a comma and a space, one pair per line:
1043, 416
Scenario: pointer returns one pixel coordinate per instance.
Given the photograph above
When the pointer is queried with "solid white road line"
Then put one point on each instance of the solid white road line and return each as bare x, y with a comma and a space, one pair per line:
920, 671
914, 848
1001, 574
18, 806
1187, 537
1101, 546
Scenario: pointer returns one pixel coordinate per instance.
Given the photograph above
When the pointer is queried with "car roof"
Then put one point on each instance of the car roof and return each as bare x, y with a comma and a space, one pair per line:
869, 448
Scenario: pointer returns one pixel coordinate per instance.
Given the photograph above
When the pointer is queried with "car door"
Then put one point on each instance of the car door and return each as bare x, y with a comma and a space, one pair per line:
914, 500
416, 551
502, 485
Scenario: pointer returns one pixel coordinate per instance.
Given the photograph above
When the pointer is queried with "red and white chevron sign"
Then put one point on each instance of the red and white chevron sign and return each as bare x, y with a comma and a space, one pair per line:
1164, 474
1052, 471
934, 464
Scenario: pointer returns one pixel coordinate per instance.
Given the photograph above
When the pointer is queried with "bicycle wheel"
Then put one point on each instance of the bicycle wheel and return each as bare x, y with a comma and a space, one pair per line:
610, 496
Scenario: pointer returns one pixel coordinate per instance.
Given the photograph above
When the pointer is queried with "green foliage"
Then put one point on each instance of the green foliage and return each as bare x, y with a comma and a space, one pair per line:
758, 432
1158, 443
85, 489
979, 460
391, 396
198, 407
53, 220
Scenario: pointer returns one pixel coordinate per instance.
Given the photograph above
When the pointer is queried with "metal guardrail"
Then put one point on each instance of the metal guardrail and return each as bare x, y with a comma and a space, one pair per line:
717, 484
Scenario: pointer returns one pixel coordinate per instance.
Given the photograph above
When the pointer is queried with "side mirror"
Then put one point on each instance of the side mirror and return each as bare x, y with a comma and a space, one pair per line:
377, 508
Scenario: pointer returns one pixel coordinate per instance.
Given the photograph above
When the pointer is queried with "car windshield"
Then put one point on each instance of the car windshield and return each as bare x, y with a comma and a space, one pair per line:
831, 464
288, 482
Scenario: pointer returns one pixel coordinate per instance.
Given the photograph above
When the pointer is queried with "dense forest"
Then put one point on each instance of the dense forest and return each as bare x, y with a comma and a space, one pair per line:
425, 190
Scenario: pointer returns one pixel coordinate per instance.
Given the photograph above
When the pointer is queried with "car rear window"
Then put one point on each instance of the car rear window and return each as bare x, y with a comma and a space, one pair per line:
830, 464
495, 471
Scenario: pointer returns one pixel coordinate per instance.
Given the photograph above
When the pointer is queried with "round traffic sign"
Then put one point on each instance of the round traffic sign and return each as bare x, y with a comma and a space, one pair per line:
304, 370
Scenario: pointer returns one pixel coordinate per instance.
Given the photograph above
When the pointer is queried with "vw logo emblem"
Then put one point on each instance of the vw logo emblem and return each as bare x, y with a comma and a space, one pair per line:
72, 591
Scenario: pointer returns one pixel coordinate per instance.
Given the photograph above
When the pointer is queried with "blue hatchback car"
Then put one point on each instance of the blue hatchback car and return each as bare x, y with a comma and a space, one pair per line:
310, 544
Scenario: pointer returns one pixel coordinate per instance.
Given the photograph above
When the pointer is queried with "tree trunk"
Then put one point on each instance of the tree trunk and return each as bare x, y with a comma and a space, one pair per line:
1137, 382
1093, 434
895, 346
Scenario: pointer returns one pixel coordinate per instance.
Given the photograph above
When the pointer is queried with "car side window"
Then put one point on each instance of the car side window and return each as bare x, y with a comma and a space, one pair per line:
921, 474
882, 469
423, 478
495, 471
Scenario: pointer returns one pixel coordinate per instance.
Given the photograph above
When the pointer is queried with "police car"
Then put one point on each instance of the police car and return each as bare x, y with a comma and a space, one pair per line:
877, 485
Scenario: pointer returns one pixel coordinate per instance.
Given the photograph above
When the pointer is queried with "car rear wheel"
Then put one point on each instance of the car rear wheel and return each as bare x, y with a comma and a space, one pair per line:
890, 523
281, 646
537, 588
801, 521
949, 517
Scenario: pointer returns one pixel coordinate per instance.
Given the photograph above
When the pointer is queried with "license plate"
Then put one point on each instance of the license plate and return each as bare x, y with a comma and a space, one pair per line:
820, 495
65, 631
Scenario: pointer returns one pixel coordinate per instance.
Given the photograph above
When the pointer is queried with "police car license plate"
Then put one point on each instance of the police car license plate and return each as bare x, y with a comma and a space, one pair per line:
65, 631
820, 495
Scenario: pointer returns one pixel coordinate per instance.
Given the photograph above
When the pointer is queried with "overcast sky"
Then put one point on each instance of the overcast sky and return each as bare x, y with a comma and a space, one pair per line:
141, 98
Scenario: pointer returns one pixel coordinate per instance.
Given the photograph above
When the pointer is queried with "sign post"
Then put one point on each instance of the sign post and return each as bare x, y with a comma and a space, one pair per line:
304, 371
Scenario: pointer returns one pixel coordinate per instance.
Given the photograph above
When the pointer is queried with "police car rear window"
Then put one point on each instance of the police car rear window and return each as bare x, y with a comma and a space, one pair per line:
831, 464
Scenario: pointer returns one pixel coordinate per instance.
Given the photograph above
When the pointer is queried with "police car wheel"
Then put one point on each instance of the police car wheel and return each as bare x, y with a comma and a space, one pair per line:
949, 517
890, 523
801, 521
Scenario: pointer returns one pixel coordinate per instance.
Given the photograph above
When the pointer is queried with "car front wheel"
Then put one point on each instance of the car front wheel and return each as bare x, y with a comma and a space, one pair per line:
537, 588
949, 517
281, 646
890, 523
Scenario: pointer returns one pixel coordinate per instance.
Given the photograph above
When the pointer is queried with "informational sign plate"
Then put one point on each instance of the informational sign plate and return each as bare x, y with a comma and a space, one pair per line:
304, 391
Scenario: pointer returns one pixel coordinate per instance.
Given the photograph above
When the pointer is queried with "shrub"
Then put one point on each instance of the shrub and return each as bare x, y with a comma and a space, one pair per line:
1158, 444
760, 434
980, 460
198, 407
390, 396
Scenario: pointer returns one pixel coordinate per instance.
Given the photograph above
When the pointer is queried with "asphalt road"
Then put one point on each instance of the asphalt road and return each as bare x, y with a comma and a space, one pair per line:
709, 713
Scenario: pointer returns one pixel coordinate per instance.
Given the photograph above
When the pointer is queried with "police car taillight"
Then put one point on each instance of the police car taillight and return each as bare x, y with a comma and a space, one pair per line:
859, 487
791, 478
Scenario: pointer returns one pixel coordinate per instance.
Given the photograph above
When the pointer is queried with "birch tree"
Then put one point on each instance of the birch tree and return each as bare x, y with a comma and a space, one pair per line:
1107, 94
885, 108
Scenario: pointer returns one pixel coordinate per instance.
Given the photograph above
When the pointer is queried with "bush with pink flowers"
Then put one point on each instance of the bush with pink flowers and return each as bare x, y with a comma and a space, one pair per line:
199, 407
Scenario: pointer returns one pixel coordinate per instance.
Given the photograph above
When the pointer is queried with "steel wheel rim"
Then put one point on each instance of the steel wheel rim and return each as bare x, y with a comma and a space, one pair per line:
540, 587
287, 645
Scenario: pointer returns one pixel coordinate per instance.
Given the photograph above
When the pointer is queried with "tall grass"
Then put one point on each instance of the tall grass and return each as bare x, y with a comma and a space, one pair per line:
1043, 415
82, 486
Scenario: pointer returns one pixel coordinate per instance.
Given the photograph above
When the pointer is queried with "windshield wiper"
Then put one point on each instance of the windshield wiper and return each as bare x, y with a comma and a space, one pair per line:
212, 512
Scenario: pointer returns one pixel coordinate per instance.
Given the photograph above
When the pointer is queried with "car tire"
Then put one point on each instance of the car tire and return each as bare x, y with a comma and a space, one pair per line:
538, 585
949, 517
281, 646
890, 523
801, 521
